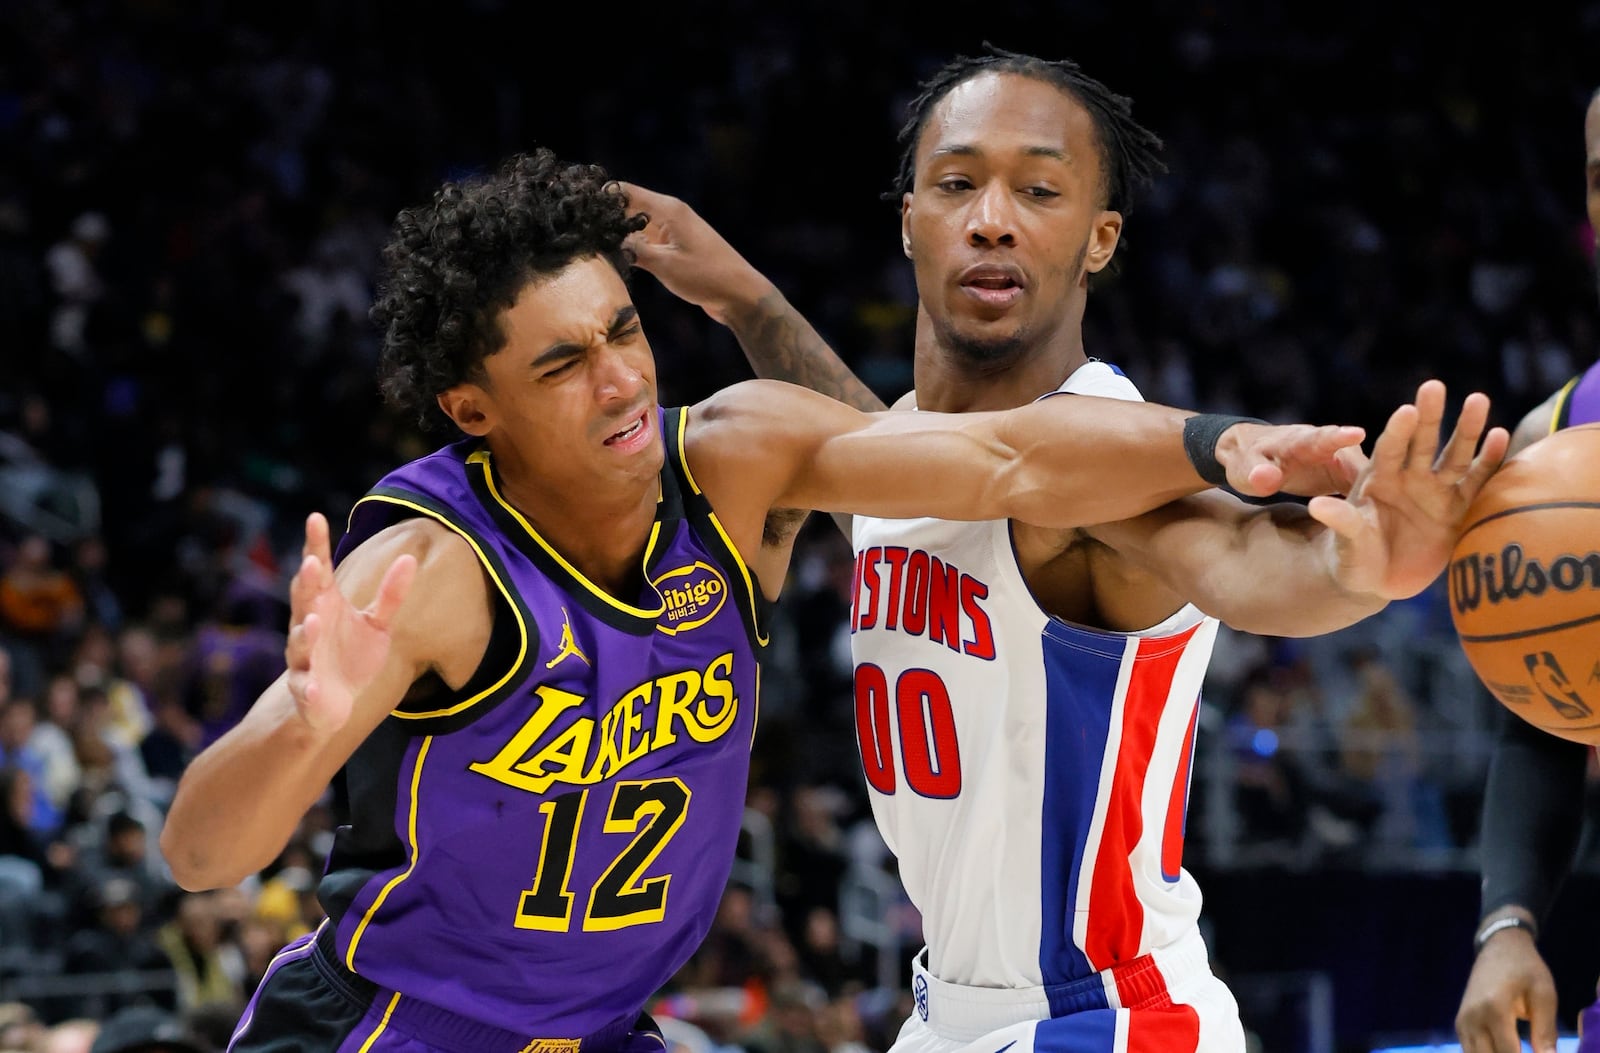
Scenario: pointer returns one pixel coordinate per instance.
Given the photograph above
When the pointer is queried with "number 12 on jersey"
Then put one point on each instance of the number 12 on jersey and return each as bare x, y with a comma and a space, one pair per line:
919, 704
652, 811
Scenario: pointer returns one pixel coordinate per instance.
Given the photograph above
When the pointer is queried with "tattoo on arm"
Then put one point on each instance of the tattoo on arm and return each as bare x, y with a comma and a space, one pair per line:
782, 345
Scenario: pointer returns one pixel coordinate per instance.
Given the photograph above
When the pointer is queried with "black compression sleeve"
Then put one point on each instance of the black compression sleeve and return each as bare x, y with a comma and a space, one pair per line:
1532, 816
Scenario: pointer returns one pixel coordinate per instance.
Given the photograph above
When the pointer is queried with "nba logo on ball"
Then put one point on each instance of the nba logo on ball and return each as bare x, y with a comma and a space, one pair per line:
1525, 584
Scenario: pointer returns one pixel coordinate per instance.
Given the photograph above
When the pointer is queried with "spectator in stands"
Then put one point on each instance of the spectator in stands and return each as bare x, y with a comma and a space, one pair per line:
812, 854
95, 665
120, 942
40, 604
76, 281
52, 739
25, 864
120, 854
1382, 748
1270, 792
209, 969
146, 1029
90, 573
19, 716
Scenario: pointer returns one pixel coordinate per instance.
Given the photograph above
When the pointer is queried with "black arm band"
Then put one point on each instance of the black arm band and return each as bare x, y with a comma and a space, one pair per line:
1200, 435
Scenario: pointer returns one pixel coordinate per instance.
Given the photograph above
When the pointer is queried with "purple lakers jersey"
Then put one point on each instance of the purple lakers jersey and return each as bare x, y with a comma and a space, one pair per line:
1579, 401
542, 849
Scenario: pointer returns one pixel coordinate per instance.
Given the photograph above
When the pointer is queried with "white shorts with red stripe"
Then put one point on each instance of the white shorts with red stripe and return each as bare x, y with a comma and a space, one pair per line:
1165, 1002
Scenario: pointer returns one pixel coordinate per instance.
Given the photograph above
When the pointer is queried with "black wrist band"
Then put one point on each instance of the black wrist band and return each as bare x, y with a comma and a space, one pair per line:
1510, 921
1200, 435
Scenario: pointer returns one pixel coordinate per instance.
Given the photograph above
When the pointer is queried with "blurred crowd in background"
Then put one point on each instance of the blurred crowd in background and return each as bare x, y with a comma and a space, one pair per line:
191, 206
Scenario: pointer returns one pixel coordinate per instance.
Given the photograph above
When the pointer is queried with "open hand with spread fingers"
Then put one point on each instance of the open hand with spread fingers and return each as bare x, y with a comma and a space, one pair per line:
1392, 534
335, 650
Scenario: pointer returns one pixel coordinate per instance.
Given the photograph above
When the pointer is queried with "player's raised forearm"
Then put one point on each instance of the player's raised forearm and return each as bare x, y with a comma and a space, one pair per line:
1061, 463
1076, 460
782, 345
1259, 569
1115, 459
1276, 576
239, 801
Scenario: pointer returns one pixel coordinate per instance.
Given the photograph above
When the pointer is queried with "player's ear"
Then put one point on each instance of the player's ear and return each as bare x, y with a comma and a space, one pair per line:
905, 224
1103, 239
469, 406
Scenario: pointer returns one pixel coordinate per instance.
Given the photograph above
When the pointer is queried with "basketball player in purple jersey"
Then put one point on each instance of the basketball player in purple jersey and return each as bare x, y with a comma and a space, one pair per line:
1026, 695
1533, 800
533, 659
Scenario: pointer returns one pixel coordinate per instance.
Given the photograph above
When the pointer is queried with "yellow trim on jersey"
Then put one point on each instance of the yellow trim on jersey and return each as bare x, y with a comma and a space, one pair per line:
483, 558
755, 716
683, 458
411, 837
1562, 398
482, 457
382, 1024
744, 570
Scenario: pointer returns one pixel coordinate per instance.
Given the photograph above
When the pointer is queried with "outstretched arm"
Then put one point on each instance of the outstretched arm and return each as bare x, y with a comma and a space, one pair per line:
1532, 817
1058, 463
1260, 569
1279, 571
354, 649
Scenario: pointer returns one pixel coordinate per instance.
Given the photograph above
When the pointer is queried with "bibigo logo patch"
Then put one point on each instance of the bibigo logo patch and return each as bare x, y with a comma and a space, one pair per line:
692, 596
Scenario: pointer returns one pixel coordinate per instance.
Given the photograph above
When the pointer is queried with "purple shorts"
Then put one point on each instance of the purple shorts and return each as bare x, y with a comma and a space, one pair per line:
1589, 1029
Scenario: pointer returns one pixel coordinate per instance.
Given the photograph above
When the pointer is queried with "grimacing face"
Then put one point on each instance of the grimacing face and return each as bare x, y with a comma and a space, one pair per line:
1006, 219
570, 400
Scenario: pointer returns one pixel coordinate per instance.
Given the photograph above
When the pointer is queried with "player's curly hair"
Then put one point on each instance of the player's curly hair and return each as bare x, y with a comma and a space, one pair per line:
1129, 152
453, 266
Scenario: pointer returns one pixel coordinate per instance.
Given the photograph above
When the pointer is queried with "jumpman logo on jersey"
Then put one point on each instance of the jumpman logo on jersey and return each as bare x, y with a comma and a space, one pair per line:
568, 647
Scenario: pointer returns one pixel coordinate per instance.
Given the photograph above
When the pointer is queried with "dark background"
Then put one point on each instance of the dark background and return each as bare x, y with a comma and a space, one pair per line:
1359, 196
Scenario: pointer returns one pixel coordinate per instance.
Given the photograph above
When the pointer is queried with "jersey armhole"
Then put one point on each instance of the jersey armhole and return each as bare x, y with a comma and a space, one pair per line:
513, 635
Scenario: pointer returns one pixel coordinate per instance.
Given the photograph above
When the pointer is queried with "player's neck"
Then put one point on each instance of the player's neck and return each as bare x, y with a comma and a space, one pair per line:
603, 536
949, 382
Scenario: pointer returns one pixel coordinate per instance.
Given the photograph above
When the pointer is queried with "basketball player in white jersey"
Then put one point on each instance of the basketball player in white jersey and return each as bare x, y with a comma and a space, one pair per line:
1026, 698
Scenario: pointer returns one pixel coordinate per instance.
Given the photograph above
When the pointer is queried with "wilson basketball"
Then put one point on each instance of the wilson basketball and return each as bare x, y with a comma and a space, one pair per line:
1525, 584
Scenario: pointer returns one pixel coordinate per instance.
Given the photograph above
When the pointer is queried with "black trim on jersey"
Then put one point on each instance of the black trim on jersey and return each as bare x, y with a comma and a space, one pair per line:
368, 845
582, 592
755, 610
499, 662
436, 695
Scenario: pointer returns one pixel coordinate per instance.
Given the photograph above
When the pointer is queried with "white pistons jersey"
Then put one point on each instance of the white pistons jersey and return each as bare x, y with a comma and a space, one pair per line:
1030, 775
